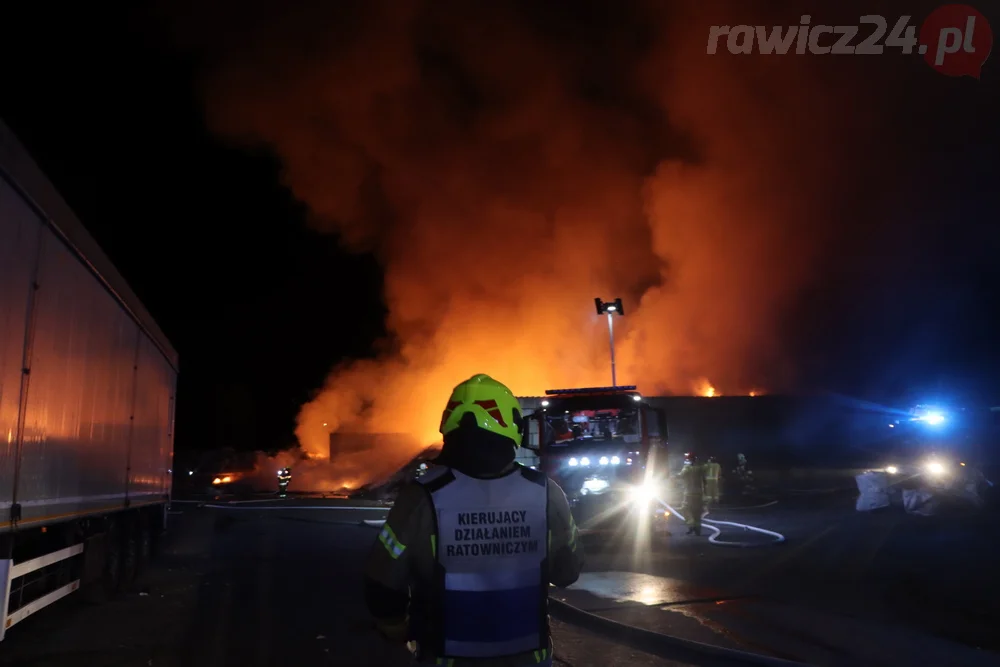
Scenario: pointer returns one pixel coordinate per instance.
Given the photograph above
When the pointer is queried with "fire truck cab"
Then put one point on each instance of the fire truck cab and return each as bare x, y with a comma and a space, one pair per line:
602, 446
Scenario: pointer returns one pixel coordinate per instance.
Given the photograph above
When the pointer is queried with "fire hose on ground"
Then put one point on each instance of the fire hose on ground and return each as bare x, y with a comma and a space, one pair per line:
714, 539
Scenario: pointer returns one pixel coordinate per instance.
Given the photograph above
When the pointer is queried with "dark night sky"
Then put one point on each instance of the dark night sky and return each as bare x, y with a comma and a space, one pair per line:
210, 242
221, 255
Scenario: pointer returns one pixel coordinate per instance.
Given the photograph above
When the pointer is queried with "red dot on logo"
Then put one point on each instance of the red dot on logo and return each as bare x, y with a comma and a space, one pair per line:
956, 40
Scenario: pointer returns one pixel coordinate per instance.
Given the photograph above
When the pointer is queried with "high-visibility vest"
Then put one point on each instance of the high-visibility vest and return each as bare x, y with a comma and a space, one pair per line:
712, 471
694, 480
491, 547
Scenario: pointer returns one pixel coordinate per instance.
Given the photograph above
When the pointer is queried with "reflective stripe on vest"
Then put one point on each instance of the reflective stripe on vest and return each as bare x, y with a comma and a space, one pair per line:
712, 471
491, 546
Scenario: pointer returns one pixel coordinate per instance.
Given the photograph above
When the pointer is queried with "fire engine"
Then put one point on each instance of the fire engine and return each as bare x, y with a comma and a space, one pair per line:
602, 446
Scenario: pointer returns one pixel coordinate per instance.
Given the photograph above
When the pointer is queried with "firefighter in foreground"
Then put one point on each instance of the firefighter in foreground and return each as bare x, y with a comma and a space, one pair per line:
693, 477
463, 563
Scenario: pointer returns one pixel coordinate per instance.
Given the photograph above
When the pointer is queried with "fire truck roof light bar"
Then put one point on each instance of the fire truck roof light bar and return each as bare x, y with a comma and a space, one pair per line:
590, 390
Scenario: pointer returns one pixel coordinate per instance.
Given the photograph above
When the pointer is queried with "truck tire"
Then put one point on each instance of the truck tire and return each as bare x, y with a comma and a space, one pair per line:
156, 526
129, 554
145, 542
108, 584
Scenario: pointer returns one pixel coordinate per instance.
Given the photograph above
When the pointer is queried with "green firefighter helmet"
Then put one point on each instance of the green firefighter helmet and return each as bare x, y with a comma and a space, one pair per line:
491, 403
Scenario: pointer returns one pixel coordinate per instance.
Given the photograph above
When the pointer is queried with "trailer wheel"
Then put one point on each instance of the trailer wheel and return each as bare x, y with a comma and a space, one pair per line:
109, 583
145, 542
112, 579
156, 526
129, 555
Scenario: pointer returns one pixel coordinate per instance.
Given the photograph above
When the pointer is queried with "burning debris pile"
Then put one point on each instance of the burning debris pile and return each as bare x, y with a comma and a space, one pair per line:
309, 473
347, 468
386, 489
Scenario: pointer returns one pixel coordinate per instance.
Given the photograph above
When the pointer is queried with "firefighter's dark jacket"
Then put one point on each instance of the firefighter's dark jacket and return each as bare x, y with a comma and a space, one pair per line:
403, 559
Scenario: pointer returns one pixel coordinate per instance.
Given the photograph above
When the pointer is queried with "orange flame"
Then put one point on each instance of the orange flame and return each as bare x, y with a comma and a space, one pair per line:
498, 224
704, 388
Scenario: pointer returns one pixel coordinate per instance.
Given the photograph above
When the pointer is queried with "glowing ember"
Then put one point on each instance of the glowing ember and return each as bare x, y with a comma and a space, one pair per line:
227, 478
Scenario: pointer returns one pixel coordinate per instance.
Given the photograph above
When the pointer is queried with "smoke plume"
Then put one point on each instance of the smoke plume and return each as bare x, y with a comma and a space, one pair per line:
508, 162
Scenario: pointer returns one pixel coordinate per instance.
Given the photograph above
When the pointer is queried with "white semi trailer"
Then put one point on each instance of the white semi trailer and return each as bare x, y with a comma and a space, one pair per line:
87, 387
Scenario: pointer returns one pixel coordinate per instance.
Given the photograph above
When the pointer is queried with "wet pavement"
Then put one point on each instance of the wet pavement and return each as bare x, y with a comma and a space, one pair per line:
275, 582
934, 574
767, 627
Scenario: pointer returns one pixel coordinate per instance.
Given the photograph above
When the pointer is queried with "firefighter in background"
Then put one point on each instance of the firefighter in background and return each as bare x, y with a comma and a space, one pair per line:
284, 477
713, 470
693, 477
744, 475
461, 569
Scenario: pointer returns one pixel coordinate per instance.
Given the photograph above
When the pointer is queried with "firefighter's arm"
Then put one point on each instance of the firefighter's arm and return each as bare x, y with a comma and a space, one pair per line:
388, 568
565, 553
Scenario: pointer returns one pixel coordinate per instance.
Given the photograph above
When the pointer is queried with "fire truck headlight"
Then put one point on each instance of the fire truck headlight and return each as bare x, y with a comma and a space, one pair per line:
585, 461
615, 460
935, 468
642, 494
604, 461
573, 462
595, 485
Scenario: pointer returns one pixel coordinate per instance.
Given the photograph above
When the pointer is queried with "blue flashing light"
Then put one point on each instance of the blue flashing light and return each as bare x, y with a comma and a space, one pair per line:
932, 415
933, 418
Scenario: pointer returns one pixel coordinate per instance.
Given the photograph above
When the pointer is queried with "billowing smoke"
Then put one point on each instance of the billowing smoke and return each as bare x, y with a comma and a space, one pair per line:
508, 162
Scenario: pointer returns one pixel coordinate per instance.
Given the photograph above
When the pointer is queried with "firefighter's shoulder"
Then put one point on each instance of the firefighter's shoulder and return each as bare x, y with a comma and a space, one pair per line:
410, 511
412, 494
553, 486
558, 502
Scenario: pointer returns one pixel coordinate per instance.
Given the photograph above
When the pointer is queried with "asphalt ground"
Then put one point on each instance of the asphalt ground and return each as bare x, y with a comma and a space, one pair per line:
254, 585
837, 591
277, 582
936, 575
